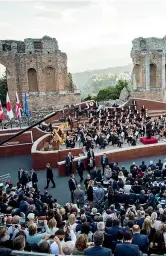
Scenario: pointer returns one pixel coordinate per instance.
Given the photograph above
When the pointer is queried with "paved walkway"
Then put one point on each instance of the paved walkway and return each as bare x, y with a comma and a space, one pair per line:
61, 192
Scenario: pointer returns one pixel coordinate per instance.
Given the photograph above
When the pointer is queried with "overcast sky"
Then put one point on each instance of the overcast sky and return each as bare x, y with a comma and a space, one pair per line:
93, 33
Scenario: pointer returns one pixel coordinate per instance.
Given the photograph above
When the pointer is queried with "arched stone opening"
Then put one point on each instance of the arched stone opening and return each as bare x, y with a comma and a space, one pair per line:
32, 80
49, 73
165, 76
137, 72
3, 84
153, 75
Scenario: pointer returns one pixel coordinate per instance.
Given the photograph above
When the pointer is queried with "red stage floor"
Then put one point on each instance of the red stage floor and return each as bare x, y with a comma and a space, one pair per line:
146, 141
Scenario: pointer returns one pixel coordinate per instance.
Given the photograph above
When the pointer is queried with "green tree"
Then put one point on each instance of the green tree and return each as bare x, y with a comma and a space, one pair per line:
112, 92
70, 80
87, 98
120, 85
3, 89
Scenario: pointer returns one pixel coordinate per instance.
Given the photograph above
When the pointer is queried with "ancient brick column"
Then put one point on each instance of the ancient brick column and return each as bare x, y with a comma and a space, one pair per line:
163, 70
147, 72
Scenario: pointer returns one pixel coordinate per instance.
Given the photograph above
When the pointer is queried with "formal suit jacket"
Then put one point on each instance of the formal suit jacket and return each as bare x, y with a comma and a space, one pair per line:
80, 167
79, 196
72, 185
105, 162
113, 231
127, 249
90, 154
49, 173
34, 178
68, 160
98, 251
142, 242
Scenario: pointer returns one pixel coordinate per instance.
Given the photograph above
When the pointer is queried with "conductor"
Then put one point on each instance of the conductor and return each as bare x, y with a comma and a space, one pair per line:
49, 176
148, 130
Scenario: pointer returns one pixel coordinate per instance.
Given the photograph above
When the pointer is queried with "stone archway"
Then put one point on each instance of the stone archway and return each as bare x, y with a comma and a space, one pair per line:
49, 74
153, 75
32, 80
137, 72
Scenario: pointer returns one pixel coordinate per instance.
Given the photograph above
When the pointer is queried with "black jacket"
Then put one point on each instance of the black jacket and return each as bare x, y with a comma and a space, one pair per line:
89, 155
106, 161
68, 160
72, 185
34, 178
49, 174
80, 167
127, 249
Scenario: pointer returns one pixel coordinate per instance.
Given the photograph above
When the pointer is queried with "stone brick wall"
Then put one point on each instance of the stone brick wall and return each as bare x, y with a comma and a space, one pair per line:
38, 67
148, 56
53, 101
151, 95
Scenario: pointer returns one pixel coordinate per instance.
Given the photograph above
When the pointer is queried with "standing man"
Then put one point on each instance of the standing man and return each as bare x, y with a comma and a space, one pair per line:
20, 172
80, 169
72, 186
34, 179
50, 176
69, 163
104, 161
90, 154
79, 196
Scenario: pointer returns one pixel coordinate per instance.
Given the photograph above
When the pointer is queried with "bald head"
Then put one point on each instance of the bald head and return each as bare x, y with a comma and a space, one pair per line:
136, 229
16, 219
9, 220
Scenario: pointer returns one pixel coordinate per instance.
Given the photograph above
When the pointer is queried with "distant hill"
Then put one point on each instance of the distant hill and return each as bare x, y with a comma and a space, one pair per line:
91, 81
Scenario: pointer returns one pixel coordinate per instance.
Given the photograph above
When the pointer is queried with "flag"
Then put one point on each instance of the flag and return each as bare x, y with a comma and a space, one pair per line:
2, 116
26, 107
9, 107
18, 107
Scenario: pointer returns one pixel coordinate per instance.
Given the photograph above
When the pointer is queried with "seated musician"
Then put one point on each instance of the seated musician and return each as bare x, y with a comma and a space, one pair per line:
70, 142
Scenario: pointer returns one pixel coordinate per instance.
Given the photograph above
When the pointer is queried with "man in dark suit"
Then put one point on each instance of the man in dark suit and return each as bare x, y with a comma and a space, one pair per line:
139, 239
90, 154
72, 186
69, 163
79, 196
126, 248
50, 176
80, 169
97, 249
104, 161
142, 197
113, 231
34, 179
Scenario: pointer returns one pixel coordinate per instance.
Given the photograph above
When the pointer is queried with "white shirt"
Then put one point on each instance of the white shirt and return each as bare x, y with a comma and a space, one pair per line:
127, 189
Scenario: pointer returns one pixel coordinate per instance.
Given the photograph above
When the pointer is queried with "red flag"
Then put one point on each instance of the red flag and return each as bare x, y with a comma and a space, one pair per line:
2, 116
18, 107
9, 107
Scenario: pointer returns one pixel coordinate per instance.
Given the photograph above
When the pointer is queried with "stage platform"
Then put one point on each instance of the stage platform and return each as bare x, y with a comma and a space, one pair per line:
146, 141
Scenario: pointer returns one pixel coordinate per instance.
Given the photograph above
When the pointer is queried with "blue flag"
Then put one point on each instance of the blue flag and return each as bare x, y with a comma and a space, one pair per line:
26, 107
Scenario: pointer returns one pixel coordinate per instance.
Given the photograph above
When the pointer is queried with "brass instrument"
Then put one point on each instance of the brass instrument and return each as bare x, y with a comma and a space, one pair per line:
62, 136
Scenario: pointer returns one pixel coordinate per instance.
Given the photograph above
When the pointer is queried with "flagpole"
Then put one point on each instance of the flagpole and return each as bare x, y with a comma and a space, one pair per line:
11, 123
28, 122
2, 124
20, 123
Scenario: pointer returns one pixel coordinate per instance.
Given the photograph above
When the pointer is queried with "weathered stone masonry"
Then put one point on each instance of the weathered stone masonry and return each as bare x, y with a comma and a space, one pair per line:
149, 71
38, 67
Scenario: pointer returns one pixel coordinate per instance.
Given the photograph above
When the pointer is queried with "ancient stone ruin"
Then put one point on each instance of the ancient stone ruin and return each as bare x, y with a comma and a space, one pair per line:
38, 67
149, 70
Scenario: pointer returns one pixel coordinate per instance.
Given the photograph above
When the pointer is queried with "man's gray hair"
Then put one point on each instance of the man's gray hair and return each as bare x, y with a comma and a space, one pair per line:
101, 226
98, 238
68, 248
